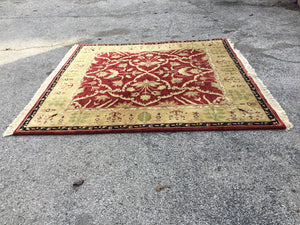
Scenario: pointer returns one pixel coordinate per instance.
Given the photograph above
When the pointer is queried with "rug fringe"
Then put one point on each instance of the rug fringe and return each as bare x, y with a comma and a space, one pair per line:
266, 93
14, 125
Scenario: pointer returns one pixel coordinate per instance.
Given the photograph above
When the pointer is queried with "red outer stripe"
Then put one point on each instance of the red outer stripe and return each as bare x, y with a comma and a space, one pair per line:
208, 128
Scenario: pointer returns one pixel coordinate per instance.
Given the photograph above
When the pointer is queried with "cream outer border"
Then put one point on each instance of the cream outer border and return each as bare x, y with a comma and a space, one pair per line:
14, 125
250, 72
265, 92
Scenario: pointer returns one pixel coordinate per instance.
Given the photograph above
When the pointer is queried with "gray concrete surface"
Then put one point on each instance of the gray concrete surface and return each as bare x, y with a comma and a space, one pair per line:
233, 177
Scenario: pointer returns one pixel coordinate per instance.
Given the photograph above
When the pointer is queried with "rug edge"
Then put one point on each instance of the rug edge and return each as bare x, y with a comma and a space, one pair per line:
14, 125
264, 90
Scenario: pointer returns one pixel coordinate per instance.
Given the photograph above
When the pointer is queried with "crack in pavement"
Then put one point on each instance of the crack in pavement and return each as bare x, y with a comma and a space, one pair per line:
63, 44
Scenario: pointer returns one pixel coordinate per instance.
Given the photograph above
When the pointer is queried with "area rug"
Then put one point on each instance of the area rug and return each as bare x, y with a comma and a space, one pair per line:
165, 86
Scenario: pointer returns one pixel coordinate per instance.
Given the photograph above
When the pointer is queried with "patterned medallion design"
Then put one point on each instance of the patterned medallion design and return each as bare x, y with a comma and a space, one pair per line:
156, 78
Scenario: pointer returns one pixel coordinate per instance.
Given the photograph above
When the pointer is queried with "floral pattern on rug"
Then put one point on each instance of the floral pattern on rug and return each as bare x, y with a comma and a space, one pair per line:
151, 78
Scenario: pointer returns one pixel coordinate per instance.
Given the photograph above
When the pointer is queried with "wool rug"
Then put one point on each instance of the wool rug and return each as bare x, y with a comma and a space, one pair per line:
164, 86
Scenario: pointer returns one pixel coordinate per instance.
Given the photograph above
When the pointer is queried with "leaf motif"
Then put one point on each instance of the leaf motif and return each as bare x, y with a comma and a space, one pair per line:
101, 97
118, 83
160, 72
141, 63
115, 56
102, 74
191, 93
145, 97
156, 93
130, 89
176, 80
183, 54
79, 91
140, 84
183, 71
114, 73
175, 64
153, 83
161, 87
195, 71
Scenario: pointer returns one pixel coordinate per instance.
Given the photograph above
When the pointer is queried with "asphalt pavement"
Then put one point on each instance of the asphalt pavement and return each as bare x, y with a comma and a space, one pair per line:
216, 177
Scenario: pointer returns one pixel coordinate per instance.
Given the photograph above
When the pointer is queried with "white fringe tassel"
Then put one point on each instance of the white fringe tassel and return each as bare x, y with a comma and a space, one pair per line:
266, 93
13, 126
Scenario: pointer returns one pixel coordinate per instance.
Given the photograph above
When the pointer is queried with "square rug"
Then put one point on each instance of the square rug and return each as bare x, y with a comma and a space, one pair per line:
164, 86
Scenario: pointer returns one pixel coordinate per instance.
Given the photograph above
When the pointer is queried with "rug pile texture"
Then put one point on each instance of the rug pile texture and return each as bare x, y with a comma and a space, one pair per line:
165, 86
